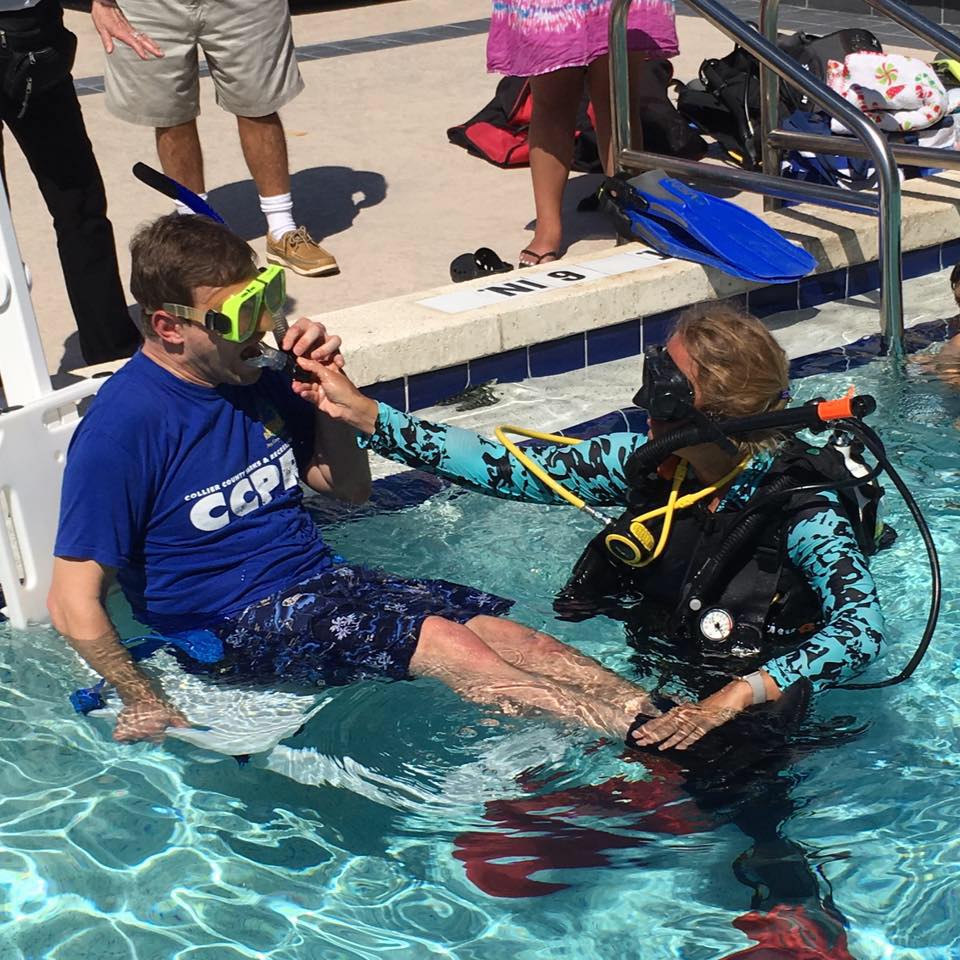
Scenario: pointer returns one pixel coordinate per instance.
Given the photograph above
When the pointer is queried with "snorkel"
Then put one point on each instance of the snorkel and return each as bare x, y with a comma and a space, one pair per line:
269, 357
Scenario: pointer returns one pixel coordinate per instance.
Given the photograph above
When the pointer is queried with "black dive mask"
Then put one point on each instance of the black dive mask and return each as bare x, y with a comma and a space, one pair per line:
665, 393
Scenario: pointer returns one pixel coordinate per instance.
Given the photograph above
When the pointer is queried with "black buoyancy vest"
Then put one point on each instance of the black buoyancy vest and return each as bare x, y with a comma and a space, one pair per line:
728, 593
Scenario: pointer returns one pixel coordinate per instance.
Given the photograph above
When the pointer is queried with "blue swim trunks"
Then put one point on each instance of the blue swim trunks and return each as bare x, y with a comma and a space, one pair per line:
343, 624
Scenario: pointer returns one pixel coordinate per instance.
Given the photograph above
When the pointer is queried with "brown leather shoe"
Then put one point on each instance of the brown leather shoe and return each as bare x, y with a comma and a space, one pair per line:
299, 252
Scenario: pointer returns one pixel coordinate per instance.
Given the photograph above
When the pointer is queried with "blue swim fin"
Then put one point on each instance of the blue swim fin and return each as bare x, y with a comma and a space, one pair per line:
665, 237
706, 229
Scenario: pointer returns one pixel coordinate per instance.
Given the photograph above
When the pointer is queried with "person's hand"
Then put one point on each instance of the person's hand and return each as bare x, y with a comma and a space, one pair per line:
684, 725
309, 338
111, 24
147, 720
331, 391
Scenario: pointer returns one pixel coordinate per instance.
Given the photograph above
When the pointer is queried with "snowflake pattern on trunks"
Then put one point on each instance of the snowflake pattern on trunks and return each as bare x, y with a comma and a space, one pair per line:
345, 623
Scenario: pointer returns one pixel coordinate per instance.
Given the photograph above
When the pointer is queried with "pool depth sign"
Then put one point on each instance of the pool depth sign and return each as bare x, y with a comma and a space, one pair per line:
535, 281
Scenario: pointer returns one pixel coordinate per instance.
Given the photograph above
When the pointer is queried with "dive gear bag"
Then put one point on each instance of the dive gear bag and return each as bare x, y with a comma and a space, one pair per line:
725, 100
499, 132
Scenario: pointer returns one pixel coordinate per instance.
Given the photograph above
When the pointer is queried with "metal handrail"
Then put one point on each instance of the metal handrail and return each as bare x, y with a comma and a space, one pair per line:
774, 139
785, 67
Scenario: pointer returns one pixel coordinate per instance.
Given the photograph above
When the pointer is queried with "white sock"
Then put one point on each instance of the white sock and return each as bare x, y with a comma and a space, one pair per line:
183, 208
279, 213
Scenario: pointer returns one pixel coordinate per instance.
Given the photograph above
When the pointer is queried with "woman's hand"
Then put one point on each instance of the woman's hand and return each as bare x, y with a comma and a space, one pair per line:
686, 724
331, 392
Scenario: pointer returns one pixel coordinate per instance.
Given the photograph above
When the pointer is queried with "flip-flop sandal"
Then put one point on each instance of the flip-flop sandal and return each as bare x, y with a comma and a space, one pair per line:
538, 258
481, 263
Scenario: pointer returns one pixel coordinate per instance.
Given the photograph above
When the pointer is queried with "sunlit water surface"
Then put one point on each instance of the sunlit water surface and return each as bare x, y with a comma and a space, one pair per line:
150, 852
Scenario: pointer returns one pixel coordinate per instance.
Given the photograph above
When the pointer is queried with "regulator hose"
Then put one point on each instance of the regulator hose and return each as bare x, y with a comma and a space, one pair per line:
808, 416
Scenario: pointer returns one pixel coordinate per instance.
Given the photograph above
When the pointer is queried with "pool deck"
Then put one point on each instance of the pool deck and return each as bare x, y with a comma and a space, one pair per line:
375, 178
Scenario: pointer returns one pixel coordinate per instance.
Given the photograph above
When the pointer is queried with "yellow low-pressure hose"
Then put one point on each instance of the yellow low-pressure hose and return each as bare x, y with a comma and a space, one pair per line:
538, 471
628, 549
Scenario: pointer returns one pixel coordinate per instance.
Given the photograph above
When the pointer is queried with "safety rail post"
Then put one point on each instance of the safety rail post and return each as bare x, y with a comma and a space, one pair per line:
767, 53
771, 156
23, 366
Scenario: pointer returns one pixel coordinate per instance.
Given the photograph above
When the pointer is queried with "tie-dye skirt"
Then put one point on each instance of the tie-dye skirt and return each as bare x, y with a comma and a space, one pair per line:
532, 37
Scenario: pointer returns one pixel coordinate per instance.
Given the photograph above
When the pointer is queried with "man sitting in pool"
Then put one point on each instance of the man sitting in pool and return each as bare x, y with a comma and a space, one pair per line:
795, 604
184, 479
946, 363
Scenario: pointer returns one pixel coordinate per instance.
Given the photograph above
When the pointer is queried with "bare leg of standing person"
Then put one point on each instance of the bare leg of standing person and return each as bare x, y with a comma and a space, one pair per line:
556, 98
264, 146
180, 154
598, 83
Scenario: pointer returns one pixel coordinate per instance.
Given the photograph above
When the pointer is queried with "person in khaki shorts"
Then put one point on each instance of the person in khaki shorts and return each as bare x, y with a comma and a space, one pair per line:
152, 78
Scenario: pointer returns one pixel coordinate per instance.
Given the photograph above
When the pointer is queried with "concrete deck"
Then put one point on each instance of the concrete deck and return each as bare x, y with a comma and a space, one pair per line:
374, 175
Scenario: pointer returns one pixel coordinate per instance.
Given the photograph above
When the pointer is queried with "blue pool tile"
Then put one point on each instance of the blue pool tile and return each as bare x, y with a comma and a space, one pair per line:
636, 418
950, 254
557, 356
613, 422
918, 263
830, 361
393, 392
507, 367
426, 389
656, 328
824, 288
863, 278
776, 298
613, 343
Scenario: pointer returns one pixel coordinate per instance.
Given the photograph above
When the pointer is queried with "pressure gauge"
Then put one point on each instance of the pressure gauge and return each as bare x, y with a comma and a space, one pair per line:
716, 624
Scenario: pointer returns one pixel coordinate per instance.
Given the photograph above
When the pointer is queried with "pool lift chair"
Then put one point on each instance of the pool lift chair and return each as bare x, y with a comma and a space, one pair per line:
868, 140
36, 423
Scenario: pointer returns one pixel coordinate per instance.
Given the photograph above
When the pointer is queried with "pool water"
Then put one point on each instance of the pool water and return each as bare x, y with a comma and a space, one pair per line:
420, 815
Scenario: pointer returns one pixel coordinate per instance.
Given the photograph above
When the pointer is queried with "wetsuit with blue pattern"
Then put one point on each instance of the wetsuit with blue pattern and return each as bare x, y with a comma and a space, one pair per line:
821, 546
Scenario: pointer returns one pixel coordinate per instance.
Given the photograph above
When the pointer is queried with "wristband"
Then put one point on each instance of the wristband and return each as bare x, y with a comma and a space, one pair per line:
757, 685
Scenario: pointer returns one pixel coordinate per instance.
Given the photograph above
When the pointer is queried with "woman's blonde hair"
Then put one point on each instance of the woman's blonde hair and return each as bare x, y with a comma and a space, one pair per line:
740, 368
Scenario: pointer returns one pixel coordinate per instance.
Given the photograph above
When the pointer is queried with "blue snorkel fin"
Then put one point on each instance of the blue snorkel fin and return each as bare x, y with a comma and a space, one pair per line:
682, 222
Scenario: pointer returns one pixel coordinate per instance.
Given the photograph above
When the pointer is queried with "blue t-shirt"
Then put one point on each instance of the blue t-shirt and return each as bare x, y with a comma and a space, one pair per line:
191, 492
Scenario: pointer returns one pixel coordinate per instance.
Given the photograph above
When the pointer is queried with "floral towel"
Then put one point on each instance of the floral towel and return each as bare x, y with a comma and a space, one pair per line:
898, 93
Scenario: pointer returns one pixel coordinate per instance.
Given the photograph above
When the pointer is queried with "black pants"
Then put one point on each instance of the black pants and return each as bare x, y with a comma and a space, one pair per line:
53, 138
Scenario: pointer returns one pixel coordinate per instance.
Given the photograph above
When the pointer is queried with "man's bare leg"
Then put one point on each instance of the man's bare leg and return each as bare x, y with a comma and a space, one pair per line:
264, 146
458, 656
536, 652
180, 155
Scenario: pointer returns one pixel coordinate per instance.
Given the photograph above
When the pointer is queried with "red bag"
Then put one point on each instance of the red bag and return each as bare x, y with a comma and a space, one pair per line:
498, 133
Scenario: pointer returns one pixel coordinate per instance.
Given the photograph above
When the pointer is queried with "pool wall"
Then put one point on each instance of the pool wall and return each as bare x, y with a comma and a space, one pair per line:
536, 322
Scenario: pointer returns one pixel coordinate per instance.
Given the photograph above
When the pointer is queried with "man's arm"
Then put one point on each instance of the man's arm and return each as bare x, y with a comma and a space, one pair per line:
337, 466
111, 24
76, 609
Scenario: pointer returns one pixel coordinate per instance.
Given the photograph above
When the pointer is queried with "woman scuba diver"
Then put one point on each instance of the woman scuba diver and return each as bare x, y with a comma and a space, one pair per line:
764, 593
739, 565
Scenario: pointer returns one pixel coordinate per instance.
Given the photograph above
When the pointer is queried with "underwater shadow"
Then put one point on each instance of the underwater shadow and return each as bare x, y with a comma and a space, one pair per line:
326, 200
